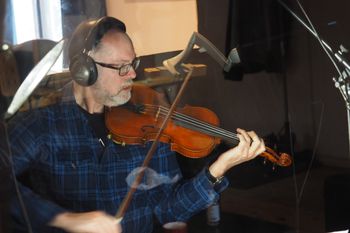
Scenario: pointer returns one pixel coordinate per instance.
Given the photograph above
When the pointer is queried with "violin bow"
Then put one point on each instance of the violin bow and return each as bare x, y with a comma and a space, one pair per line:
126, 201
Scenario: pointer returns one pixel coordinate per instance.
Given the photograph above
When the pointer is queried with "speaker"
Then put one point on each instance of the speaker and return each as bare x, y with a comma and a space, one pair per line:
87, 36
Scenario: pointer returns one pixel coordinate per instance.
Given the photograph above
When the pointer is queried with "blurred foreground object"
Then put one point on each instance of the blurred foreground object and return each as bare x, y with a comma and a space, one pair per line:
33, 79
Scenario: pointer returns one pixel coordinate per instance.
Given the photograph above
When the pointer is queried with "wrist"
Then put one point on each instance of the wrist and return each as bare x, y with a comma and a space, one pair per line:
217, 169
214, 180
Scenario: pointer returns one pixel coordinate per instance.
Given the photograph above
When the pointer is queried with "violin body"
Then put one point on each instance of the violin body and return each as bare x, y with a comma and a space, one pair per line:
144, 126
191, 131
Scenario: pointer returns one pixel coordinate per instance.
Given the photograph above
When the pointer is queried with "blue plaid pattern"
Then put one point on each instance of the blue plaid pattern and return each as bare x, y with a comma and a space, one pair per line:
69, 170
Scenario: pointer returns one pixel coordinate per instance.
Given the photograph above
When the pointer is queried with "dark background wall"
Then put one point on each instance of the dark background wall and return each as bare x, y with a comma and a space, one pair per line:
304, 96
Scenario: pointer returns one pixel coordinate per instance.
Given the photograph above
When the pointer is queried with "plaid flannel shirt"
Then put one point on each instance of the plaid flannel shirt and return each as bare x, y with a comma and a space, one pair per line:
67, 169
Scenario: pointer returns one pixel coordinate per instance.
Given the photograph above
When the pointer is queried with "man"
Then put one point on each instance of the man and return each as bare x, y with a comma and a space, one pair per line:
77, 176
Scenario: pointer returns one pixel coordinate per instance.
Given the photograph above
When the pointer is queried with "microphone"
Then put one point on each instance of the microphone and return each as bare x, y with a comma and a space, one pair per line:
174, 64
161, 76
233, 58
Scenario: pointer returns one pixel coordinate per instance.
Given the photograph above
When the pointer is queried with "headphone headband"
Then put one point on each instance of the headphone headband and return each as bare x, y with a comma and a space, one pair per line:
86, 36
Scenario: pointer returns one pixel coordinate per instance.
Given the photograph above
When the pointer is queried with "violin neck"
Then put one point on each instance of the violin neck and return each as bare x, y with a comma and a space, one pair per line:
192, 123
209, 129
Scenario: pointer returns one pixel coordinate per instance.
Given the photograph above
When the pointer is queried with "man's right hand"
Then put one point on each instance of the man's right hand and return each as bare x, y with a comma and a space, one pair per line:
88, 222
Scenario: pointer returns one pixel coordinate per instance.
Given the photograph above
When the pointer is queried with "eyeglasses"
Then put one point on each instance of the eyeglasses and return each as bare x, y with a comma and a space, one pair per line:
123, 69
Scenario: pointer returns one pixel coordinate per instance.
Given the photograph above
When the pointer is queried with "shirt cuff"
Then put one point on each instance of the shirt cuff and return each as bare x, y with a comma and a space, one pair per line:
218, 184
207, 189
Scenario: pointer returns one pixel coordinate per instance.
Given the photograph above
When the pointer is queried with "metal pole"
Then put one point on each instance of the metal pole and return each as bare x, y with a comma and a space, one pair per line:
348, 114
342, 83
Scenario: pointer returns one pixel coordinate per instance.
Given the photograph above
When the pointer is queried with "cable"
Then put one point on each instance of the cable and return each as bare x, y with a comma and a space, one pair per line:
346, 95
313, 31
322, 112
299, 194
13, 174
313, 153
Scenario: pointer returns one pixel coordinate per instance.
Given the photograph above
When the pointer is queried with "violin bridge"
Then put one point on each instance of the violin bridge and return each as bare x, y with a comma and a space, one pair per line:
157, 114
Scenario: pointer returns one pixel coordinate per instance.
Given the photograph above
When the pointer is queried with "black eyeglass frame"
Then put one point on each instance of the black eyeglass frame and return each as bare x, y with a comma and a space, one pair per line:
122, 69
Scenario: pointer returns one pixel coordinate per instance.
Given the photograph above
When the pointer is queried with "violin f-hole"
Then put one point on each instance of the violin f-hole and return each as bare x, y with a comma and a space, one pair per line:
145, 127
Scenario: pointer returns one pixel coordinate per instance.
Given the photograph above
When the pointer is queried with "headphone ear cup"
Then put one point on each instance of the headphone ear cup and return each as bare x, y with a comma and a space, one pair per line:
83, 70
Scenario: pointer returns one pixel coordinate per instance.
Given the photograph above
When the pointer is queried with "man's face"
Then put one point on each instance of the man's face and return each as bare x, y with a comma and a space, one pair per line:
112, 89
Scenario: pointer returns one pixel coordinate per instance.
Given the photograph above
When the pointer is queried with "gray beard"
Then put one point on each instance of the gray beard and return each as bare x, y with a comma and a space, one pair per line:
104, 98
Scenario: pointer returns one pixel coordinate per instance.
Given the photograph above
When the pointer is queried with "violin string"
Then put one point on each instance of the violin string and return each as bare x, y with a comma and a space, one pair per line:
201, 124
192, 121
159, 111
184, 118
198, 123
206, 127
214, 128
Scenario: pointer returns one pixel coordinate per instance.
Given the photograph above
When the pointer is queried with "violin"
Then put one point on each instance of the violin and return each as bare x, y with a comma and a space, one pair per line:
191, 131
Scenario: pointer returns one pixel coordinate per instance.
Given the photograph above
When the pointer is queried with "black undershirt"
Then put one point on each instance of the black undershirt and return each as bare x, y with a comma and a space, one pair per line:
97, 123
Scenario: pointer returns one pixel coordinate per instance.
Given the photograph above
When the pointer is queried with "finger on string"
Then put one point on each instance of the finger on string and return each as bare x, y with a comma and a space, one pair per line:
256, 141
262, 146
253, 136
245, 135
241, 138
254, 144
258, 146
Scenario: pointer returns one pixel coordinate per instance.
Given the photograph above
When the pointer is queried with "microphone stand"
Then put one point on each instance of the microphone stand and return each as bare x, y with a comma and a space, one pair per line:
5, 181
174, 64
342, 82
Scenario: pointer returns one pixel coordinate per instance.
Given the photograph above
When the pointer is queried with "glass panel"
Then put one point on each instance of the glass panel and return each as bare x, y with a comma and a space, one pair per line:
79, 118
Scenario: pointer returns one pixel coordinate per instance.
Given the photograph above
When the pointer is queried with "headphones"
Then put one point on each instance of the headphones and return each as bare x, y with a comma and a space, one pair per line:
87, 35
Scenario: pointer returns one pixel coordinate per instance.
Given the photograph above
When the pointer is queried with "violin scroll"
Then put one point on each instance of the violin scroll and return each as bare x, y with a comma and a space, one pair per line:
281, 159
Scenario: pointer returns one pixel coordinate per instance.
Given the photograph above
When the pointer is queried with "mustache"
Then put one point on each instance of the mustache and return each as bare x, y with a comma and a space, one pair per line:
128, 83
